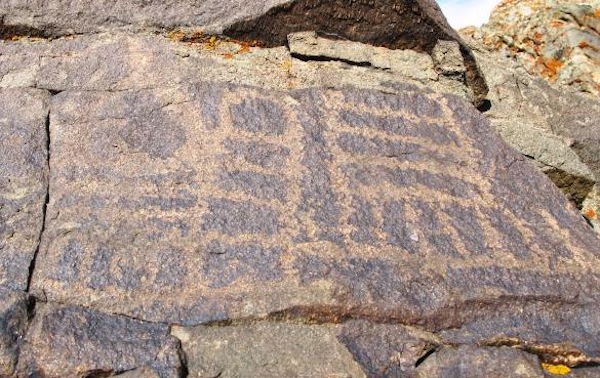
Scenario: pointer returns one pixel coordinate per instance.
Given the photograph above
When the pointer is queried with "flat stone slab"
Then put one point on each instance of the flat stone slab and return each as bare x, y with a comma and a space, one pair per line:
202, 203
267, 350
23, 181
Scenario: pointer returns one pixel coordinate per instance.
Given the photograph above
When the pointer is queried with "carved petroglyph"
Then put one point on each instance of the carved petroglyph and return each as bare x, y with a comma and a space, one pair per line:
309, 198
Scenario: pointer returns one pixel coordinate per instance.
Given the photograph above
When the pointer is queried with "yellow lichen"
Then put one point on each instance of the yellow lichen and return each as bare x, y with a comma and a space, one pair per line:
556, 369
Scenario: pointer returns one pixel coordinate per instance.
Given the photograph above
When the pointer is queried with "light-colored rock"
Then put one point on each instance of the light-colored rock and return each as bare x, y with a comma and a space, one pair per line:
470, 361
558, 40
267, 350
552, 124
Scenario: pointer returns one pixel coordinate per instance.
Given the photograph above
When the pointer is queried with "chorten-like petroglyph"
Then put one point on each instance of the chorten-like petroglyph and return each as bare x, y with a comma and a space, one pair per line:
212, 202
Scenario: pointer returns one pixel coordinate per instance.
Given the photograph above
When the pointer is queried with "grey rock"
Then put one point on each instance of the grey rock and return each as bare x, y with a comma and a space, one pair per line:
387, 350
71, 341
266, 350
13, 325
414, 25
23, 181
119, 61
555, 126
467, 361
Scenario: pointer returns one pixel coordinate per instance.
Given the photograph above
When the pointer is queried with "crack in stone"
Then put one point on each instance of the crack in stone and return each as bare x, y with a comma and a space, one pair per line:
45, 208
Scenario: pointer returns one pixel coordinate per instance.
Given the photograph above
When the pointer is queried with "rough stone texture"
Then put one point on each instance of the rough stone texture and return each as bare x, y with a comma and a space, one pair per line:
266, 350
416, 25
348, 230
13, 322
559, 40
70, 341
468, 361
208, 202
387, 350
553, 125
23, 181
117, 61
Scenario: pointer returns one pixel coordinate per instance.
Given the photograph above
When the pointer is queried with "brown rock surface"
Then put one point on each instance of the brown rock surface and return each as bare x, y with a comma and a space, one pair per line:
416, 25
74, 342
198, 228
23, 181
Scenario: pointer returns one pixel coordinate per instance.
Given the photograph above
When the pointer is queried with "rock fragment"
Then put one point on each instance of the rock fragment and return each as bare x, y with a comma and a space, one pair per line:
72, 341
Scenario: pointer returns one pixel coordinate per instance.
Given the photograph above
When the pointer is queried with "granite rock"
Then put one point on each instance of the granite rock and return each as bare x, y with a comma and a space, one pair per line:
23, 181
558, 40
65, 341
416, 25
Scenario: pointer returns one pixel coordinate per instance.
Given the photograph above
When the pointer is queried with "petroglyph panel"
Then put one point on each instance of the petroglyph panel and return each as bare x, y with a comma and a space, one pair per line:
212, 202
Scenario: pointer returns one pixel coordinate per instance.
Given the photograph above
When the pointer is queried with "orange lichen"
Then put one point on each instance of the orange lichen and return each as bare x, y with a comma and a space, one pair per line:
550, 67
556, 369
590, 214
557, 23
584, 44
228, 56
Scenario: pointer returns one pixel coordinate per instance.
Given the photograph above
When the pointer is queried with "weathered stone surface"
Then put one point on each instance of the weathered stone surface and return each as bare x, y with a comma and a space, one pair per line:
210, 202
266, 350
71, 341
23, 181
417, 25
387, 350
558, 40
470, 361
553, 125
118, 61
13, 323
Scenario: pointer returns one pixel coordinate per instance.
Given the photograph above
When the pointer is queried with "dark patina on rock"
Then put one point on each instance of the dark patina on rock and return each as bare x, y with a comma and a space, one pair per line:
207, 203
417, 25
66, 341
23, 181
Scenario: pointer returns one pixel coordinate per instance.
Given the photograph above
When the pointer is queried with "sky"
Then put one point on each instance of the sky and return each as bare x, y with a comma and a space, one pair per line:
461, 13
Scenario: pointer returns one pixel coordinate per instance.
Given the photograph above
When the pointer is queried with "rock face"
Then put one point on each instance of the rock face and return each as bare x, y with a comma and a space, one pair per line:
553, 124
416, 25
23, 181
177, 223
558, 40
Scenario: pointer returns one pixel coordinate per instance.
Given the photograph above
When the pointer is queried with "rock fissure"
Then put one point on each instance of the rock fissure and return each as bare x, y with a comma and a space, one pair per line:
45, 207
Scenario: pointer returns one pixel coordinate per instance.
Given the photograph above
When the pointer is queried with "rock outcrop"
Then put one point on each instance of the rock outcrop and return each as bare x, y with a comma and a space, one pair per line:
558, 40
554, 122
175, 203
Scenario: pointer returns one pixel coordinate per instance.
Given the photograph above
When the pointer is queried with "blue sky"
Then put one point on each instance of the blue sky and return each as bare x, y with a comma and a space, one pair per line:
461, 13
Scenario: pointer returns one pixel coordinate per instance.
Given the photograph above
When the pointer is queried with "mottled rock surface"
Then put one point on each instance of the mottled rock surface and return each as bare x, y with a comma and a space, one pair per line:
196, 227
558, 40
13, 325
470, 361
416, 25
23, 181
74, 342
553, 125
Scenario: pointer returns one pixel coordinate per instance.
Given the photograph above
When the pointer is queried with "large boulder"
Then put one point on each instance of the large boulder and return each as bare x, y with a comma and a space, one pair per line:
198, 227
417, 25
215, 204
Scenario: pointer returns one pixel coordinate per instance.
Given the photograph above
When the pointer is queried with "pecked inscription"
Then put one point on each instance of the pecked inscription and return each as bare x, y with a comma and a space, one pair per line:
321, 198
